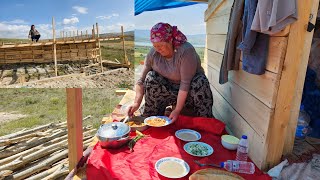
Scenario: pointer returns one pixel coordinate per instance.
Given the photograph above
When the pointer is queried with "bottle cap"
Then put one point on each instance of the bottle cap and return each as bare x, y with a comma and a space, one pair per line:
244, 137
222, 164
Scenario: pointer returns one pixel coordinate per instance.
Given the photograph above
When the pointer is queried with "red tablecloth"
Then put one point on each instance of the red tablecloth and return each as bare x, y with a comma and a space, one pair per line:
160, 142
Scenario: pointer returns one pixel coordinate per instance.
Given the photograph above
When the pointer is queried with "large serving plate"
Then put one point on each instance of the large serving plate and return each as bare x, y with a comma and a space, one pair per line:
165, 118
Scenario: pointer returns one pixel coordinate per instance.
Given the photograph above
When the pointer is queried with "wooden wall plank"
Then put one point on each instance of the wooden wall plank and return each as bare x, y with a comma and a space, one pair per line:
250, 108
212, 7
276, 55
218, 25
263, 87
295, 57
239, 126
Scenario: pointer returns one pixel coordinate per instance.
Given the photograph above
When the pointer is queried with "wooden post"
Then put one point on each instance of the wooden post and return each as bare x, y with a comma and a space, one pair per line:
124, 48
296, 56
81, 35
67, 36
74, 38
291, 129
87, 34
93, 32
54, 47
99, 45
77, 34
70, 34
74, 124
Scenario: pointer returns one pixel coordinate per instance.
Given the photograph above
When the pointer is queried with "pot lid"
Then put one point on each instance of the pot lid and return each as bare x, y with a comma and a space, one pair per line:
113, 130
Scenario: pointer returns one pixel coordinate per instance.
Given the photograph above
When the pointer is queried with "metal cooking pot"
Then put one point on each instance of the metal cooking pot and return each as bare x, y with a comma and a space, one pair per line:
113, 135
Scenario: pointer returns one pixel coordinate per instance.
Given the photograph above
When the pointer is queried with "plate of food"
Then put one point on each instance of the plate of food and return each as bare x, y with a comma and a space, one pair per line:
198, 149
157, 121
188, 135
172, 167
137, 123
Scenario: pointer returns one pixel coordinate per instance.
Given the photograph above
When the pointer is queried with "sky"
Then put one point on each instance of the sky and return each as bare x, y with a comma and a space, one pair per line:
18, 15
188, 19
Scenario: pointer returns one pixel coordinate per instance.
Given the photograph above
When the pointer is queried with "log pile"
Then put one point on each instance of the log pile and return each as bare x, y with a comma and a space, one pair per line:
38, 153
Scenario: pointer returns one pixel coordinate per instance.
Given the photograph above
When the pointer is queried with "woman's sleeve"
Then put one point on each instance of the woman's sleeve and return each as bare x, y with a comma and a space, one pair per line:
188, 68
146, 68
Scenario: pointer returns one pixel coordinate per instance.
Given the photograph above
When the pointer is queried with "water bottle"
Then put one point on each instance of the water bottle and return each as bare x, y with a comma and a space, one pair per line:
238, 166
243, 148
303, 124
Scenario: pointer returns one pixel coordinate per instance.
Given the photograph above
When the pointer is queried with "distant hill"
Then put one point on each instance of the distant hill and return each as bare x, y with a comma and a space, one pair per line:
129, 34
142, 36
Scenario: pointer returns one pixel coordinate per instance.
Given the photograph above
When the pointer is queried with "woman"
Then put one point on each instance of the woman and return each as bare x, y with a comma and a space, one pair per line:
172, 75
34, 34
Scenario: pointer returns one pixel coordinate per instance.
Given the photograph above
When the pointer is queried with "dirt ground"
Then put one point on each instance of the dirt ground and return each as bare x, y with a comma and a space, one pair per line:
111, 79
6, 116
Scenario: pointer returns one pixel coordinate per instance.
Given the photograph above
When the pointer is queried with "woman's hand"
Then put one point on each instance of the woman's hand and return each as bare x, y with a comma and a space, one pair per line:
133, 108
174, 115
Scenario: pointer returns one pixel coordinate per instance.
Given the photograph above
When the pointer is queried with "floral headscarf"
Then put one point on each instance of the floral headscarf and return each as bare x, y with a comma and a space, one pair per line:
164, 32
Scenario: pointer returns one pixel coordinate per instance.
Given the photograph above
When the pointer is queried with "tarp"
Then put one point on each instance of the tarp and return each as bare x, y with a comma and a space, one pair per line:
158, 143
152, 5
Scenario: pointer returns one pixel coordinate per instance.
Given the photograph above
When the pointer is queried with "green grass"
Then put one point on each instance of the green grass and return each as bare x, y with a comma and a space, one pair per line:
111, 50
43, 106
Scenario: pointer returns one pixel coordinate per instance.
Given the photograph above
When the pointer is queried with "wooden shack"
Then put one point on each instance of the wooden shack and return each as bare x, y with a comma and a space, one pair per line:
264, 107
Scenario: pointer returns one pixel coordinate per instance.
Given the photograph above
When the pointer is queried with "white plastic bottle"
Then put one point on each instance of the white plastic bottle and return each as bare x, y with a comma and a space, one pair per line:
239, 166
243, 148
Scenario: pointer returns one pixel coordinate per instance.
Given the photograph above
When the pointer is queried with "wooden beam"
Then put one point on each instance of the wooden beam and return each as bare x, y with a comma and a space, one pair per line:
124, 48
295, 57
99, 46
74, 124
93, 32
291, 129
54, 46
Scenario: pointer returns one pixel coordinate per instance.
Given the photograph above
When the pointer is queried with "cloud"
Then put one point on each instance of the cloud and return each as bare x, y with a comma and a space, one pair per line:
72, 20
81, 10
107, 17
127, 26
21, 31
16, 21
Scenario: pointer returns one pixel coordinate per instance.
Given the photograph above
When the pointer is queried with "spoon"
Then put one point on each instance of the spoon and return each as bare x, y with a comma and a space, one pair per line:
126, 119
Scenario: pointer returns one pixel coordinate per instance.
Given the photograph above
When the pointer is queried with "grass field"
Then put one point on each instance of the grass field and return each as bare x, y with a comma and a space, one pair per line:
111, 50
140, 53
43, 106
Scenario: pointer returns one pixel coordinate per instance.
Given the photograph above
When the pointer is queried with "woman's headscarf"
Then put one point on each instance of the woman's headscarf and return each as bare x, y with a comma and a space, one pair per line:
164, 32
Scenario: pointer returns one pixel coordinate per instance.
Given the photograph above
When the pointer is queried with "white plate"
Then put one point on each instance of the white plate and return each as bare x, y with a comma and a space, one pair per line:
175, 164
168, 121
186, 147
180, 134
